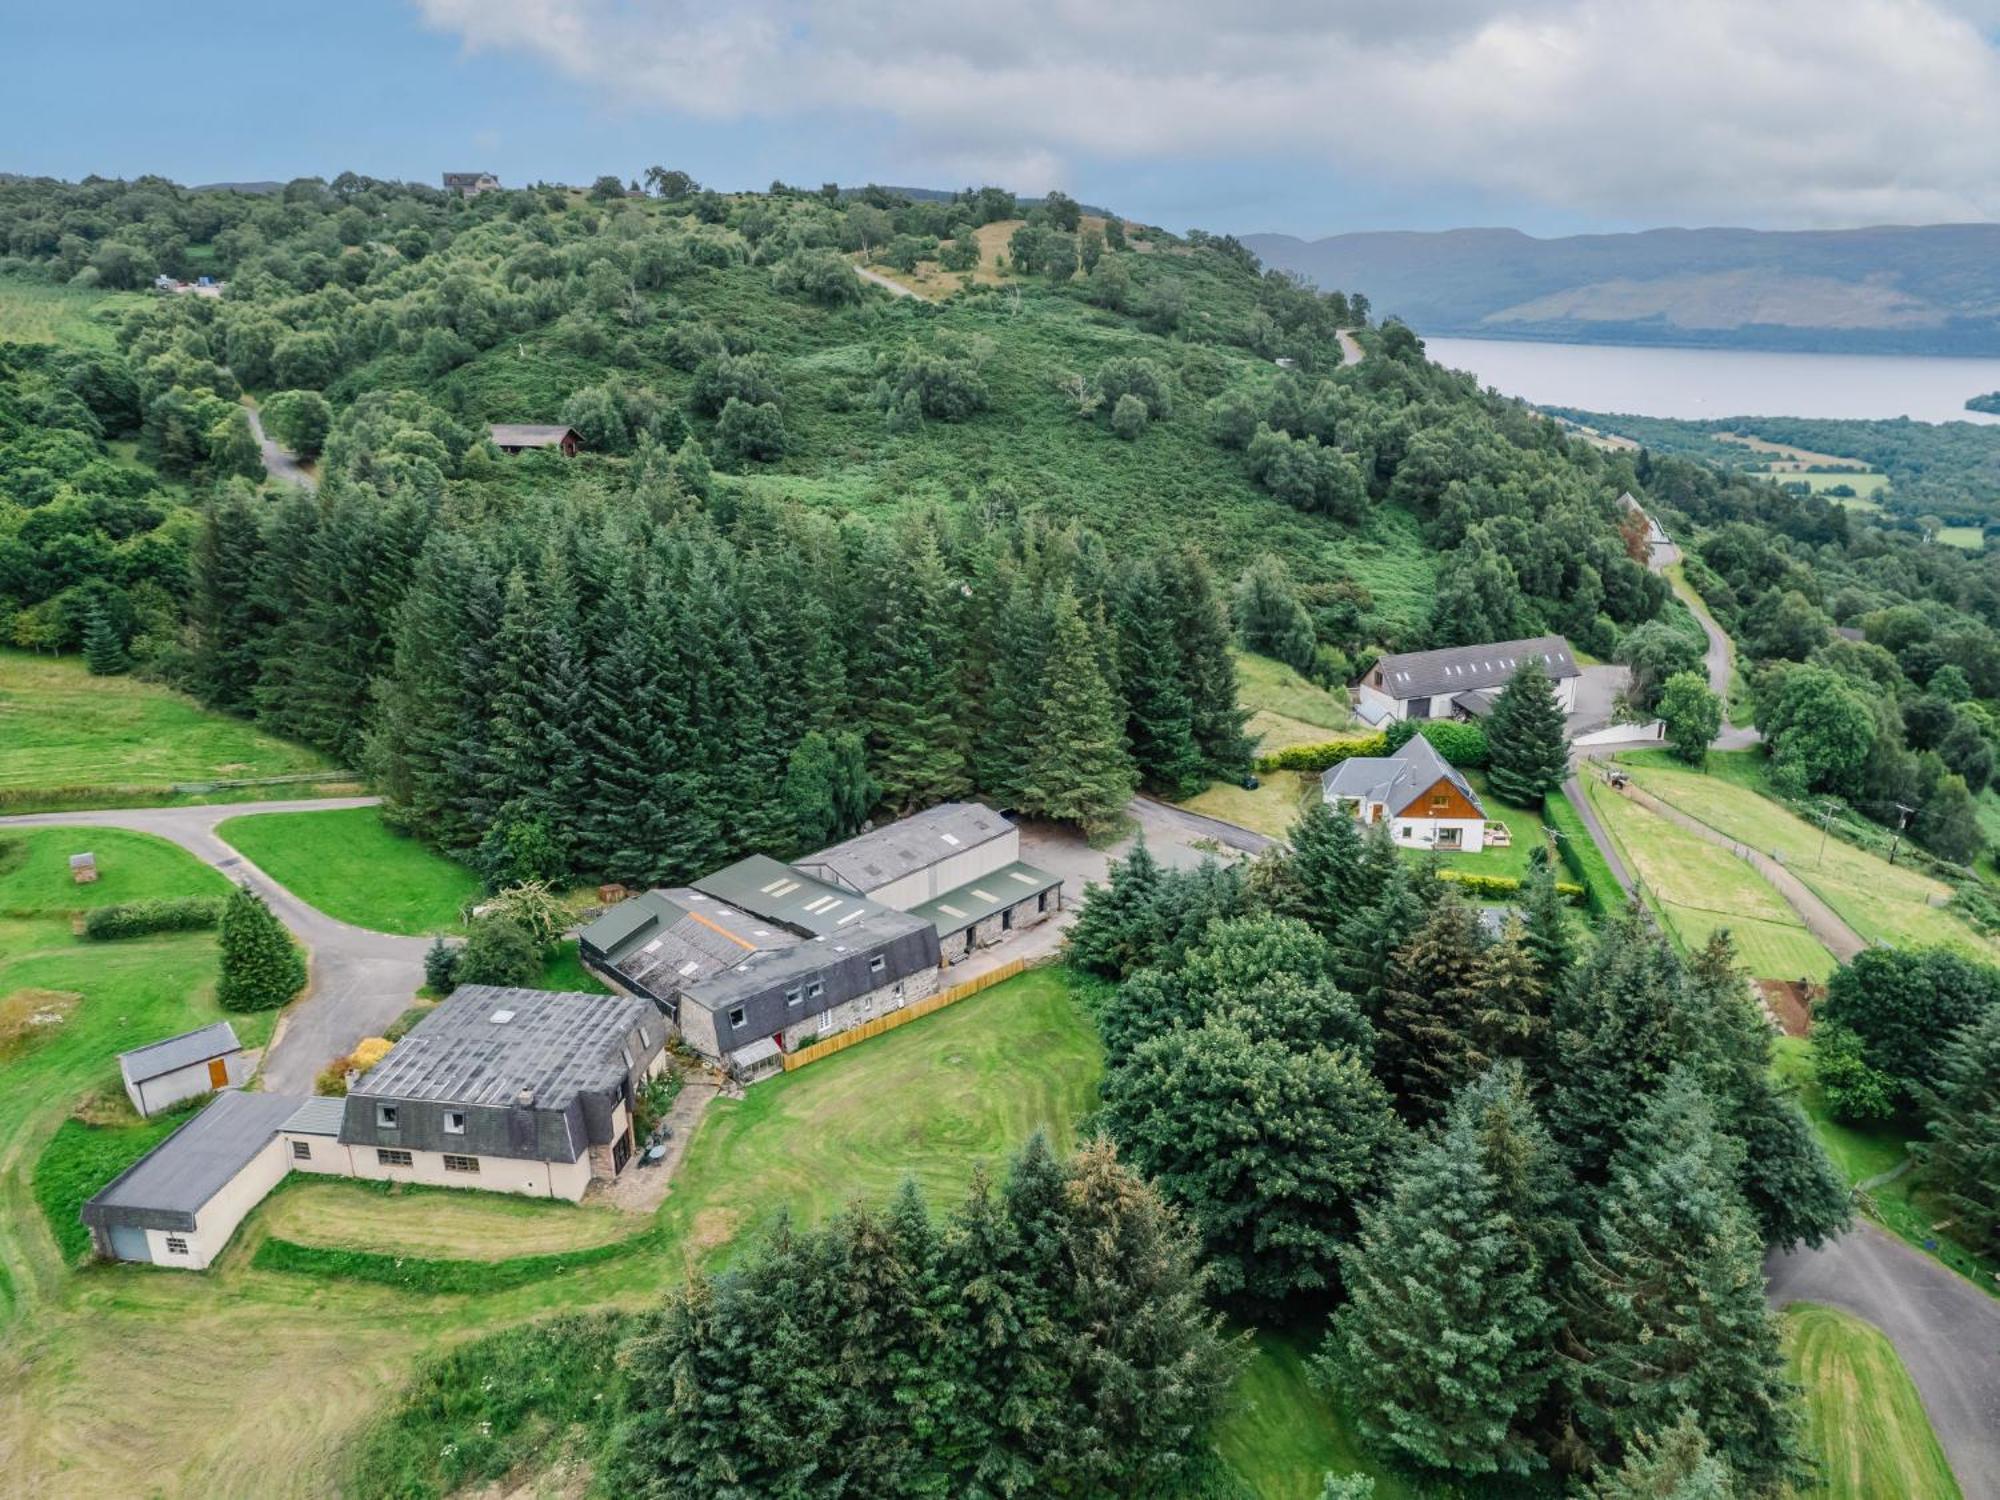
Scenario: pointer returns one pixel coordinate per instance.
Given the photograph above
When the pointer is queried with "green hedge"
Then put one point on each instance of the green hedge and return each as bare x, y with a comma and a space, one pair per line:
137, 918
1319, 757
1602, 894
416, 1273
1506, 885
1463, 745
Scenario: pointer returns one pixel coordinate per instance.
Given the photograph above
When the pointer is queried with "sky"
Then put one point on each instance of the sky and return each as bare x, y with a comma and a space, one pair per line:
1307, 117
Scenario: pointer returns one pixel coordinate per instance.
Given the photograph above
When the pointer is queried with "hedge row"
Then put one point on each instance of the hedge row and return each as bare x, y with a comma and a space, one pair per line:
1506, 885
416, 1273
1582, 858
1463, 745
137, 918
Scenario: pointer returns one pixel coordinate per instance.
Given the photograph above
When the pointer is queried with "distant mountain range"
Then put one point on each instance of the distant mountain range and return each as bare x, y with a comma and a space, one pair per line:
1929, 290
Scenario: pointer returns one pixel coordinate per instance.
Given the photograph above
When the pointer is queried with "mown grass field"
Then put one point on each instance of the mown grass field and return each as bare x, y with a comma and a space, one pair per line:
1867, 1422
1866, 484
452, 1223
1883, 902
1971, 538
1286, 709
1270, 808
70, 739
36, 312
1699, 887
97, 1362
346, 862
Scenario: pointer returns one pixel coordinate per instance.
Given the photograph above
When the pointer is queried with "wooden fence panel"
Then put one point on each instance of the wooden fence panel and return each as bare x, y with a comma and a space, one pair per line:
911, 1012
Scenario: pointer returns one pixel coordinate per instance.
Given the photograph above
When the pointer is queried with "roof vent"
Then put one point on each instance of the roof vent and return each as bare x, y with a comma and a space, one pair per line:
525, 1099
501, 1017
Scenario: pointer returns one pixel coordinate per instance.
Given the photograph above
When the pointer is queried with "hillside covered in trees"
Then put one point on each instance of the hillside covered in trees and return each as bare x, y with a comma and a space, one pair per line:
865, 545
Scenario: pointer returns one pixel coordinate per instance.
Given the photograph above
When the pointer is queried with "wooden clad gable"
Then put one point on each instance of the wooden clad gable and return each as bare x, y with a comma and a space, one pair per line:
1441, 799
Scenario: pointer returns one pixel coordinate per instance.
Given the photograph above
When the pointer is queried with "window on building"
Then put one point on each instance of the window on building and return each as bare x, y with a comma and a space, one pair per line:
454, 1122
461, 1163
386, 1156
385, 1116
176, 1245
877, 964
302, 1151
627, 1052
736, 1015
794, 995
1440, 799
814, 989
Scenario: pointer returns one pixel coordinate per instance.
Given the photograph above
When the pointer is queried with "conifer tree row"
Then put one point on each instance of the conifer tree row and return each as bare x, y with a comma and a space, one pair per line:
637, 688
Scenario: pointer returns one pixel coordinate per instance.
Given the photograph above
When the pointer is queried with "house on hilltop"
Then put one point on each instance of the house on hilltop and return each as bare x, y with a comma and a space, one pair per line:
1425, 800
1460, 681
470, 184
517, 437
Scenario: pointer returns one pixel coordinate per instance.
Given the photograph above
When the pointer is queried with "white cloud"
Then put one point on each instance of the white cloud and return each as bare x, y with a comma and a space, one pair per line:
1771, 111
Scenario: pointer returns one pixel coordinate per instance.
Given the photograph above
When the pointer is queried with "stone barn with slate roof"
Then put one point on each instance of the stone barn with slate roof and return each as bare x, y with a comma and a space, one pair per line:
761, 958
1460, 681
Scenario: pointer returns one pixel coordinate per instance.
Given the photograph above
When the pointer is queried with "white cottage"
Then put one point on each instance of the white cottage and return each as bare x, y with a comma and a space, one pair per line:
1425, 800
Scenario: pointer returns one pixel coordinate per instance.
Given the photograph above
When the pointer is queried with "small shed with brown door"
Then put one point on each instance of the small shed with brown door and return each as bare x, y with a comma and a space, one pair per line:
164, 1073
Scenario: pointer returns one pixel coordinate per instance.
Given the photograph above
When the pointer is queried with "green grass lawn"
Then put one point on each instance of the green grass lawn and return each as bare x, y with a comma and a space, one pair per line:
1884, 903
38, 312
565, 971
1971, 538
1283, 1436
1867, 1421
1699, 887
1510, 862
1286, 709
70, 739
110, 997
1859, 1152
351, 866
1865, 484
1271, 808
294, 1365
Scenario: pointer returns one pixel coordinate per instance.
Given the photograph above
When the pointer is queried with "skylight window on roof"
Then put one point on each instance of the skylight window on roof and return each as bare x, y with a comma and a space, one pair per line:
949, 838
652, 947
853, 916
982, 895
949, 910
688, 968
501, 1017
786, 888
1017, 875
772, 888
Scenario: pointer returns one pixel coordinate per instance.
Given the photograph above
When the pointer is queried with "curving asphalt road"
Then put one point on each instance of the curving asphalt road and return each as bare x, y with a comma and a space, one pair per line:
279, 464
360, 980
1946, 1329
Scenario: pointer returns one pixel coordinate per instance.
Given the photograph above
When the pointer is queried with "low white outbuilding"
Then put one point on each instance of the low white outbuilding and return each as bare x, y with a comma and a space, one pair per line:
162, 1074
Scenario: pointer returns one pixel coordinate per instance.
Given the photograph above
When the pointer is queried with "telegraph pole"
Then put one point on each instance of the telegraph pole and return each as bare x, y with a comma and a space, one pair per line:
1903, 823
1825, 817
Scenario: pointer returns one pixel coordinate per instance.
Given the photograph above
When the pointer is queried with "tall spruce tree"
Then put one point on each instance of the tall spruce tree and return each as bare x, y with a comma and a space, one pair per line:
1078, 770
261, 967
1208, 664
1962, 1156
1431, 1036
222, 607
1666, 1310
103, 650
1107, 938
918, 736
1328, 881
1528, 753
1443, 1346
1160, 713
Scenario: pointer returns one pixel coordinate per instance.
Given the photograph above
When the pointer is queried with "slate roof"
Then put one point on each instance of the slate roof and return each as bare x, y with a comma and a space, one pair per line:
1454, 669
488, 1045
979, 899
779, 893
661, 940
869, 861
166, 1187
527, 435
883, 931
157, 1059
317, 1116
1395, 780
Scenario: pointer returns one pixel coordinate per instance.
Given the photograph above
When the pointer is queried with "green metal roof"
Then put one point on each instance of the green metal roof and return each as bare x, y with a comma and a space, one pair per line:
979, 899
